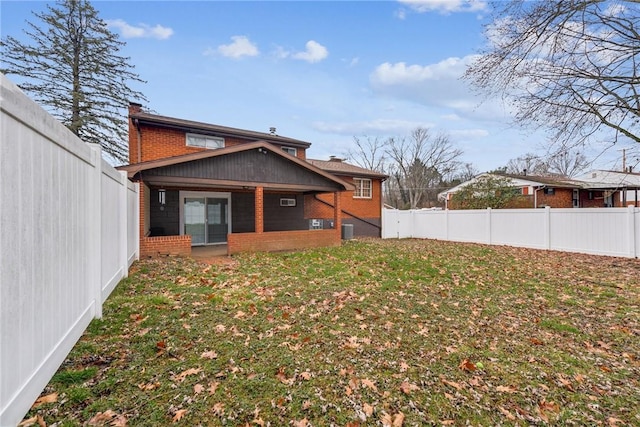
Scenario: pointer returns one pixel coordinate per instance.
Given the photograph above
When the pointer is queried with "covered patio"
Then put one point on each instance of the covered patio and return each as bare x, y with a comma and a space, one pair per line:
248, 197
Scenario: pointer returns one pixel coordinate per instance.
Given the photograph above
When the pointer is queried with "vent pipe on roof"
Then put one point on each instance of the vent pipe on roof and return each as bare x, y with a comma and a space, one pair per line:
335, 159
272, 130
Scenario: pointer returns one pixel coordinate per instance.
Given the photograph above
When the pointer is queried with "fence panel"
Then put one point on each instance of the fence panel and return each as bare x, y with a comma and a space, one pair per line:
598, 231
50, 246
594, 230
467, 226
430, 224
519, 227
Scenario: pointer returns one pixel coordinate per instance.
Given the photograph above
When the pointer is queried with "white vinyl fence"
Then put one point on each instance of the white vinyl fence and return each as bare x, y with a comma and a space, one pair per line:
68, 234
599, 231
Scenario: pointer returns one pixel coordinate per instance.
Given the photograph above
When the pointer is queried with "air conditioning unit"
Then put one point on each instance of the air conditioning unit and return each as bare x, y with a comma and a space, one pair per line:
287, 202
316, 224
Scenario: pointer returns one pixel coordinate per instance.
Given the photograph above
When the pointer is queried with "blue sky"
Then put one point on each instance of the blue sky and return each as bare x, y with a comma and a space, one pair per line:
319, 71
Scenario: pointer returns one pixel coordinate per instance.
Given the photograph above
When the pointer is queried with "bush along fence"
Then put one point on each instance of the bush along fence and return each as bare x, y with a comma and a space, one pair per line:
598, 231
68, 234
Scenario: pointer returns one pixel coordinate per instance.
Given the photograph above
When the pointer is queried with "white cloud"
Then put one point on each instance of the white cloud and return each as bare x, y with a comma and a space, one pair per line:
438, 86
240, 46
315, 52
468, 133
129, 31
386, 127
445, 6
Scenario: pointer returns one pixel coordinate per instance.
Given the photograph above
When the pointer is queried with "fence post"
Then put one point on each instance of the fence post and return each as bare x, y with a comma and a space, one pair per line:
446, 224
123, 224
94, 237
488, 226
631, 232
136, 219
547, 227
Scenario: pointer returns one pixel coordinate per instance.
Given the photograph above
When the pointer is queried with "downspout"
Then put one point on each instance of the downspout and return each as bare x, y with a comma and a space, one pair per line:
535, 196
315, 196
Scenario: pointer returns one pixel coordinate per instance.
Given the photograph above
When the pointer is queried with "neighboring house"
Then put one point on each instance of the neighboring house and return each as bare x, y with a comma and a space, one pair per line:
555, 192
627, 184
204, 184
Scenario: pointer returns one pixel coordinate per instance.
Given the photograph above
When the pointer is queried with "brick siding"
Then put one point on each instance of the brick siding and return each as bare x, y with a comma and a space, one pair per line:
281, 240
165, 245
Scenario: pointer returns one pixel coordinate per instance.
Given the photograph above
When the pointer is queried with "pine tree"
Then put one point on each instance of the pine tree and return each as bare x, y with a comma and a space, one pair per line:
73, 69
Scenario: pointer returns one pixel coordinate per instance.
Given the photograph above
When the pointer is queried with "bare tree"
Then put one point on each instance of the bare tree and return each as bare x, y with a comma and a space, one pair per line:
567, 162
73, 69
419, 163
529, 164
369, 153
570, 66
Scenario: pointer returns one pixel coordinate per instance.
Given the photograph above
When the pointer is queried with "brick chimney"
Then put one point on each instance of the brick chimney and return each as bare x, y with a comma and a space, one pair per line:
134, 107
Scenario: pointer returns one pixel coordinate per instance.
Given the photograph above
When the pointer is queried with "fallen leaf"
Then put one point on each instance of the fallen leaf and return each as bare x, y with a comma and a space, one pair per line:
213, 387
506, 389
406, 387
120, 421
507, 414
368, 409
191, 371
302, 423
466, 365
49, 398
306, 405
209, 355
447, 422
218, 409
101, 418
535, 341
306, 375
453, 384
614, 422
398, 420
180, 413
404, 366
198, 388
369, 384
33, 421
148, 386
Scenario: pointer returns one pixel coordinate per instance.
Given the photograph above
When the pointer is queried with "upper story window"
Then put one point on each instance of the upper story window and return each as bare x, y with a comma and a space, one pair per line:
290, 150
204, 141
363, 188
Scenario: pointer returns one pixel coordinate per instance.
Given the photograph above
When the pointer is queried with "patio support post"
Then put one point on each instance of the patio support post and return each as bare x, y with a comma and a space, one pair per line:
337, 217
259, 209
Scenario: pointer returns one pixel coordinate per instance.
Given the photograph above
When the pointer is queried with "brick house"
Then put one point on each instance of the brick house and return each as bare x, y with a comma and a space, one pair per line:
205, 184
555, 192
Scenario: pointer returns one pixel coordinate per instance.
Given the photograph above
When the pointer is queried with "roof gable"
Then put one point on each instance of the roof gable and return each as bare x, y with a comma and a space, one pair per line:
257, 163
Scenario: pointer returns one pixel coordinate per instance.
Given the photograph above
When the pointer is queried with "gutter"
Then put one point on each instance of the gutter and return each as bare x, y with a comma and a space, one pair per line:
379, 227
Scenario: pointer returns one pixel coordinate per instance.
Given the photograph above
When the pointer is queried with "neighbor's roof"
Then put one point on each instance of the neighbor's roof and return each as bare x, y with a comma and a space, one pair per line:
339, 167
189, 125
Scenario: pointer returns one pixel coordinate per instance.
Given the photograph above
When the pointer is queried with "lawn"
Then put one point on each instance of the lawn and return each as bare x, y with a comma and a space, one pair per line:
375, 332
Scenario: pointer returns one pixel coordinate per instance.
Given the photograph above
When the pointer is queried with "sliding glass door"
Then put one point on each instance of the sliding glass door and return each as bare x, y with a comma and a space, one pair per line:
206, 219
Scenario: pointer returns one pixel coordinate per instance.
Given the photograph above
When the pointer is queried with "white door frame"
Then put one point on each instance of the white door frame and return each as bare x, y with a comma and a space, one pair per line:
205, 195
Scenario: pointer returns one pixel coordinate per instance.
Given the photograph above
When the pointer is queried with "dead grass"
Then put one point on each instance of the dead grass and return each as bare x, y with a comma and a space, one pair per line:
407, 332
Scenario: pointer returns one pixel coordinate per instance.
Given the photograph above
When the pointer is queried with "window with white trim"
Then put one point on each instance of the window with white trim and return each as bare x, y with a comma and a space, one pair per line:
204, 141
363, 188
290, 150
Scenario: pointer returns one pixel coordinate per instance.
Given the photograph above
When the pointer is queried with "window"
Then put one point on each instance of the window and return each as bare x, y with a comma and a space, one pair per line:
363, 188
550, 191
204, 141
290, 150
287, 202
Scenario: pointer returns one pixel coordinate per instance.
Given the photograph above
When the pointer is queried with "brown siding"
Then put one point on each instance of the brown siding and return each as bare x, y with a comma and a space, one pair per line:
283, 218
247, 166
243, 208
